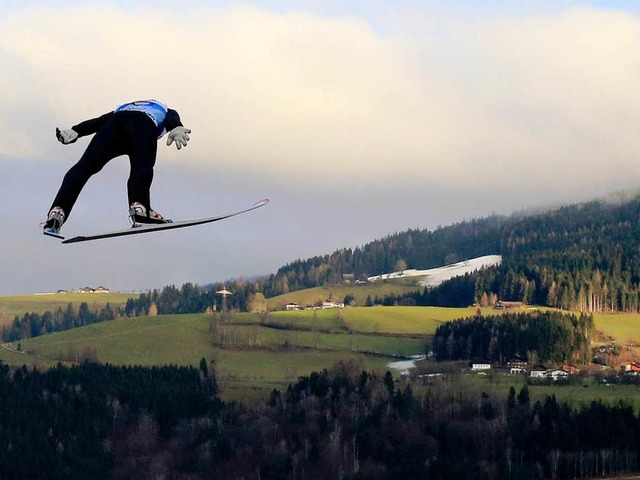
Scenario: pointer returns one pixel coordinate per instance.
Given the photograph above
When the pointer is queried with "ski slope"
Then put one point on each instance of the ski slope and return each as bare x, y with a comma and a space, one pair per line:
435, 276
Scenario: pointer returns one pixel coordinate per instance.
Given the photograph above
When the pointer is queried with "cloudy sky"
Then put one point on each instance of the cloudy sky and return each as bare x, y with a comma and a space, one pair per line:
357, 119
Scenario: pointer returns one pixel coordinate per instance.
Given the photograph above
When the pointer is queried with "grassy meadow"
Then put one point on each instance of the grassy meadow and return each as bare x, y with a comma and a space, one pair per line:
403, 320
251, 358
21, 304
578, 394
255, 354
623, 327
336, 293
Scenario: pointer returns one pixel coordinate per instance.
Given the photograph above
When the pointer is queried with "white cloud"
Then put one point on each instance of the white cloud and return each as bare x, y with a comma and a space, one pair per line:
540, 99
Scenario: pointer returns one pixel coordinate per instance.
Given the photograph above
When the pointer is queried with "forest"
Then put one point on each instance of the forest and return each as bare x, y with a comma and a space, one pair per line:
549, 336
95, 421
584, 256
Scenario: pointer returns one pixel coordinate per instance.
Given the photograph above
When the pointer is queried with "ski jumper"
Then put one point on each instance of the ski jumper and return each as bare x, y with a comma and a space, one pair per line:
132, 129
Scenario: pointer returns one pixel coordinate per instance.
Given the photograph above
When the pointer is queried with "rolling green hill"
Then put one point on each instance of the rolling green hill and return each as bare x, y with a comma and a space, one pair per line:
21, 304
253, 355
250, 356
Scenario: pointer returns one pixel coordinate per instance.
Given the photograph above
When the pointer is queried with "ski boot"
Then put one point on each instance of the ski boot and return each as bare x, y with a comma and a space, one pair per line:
54, 222
139, 215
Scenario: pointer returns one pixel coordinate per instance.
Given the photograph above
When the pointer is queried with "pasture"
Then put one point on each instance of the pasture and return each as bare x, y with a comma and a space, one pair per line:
579, 393
623, 327
254, 354
337, 293
402, 320
18, 305
250, 358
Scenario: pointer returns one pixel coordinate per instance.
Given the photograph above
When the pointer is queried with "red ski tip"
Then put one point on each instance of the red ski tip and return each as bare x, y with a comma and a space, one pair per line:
262, 202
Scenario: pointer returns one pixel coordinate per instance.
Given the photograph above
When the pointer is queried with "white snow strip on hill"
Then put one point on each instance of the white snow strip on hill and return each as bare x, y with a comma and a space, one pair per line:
435, 276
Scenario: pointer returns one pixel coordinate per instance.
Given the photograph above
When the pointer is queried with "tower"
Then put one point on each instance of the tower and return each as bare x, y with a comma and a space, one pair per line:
225, 293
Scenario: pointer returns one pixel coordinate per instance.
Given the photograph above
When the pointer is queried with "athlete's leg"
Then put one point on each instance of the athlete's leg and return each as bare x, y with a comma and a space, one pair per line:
142, 157
104, 146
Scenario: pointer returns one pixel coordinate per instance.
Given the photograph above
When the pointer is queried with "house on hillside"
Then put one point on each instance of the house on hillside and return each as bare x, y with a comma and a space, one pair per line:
556, 374
86, 290
348, 277
538, 372
329, 304
480, 366
517, 370
570, 369
631, 368
101, 289
292, 306
517, 362
508, 305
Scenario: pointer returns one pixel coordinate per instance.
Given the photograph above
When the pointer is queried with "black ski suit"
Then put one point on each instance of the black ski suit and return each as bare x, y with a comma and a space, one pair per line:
132, 130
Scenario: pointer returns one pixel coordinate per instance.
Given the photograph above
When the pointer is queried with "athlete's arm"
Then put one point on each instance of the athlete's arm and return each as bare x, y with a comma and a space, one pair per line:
91, 126
172, 120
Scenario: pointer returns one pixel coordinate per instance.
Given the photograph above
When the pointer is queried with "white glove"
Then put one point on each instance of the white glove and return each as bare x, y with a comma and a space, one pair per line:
66, 136
180, 135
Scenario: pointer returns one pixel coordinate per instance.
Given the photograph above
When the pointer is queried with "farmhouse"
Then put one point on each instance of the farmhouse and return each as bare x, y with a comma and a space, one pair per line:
517, 366
292, 306
570, 369
631, 368
100, 289
508, 305
480, 366
556, 374
329, 304
517, 362
538, 372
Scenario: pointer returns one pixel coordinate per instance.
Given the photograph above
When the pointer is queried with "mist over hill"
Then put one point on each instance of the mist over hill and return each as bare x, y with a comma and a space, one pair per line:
584, 256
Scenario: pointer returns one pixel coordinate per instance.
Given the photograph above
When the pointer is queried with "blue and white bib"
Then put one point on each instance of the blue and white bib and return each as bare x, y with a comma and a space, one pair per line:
154, 109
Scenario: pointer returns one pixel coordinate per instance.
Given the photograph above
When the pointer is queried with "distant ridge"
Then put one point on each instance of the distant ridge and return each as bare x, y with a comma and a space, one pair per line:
584, 257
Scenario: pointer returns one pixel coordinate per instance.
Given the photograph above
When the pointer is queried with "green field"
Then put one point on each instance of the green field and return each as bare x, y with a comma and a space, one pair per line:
18, 305
624, 327
403, 320
255, 354
251, 359
324, 320
336, 293
497, 386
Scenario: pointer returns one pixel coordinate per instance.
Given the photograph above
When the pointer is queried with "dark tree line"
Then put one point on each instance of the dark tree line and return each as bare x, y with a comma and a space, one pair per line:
36, 324
456, 292
105, 422
553, 336
191, 298
170, 300
80, 422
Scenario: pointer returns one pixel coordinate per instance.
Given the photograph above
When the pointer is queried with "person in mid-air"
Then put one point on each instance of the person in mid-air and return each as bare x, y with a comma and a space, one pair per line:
132, 129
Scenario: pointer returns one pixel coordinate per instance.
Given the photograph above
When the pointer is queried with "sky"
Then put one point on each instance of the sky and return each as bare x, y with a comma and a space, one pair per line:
356, 119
